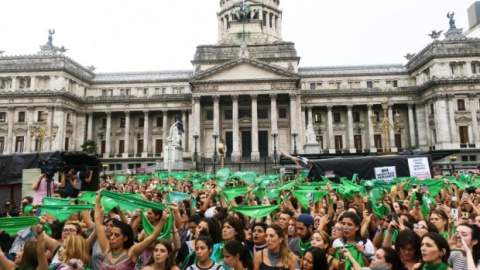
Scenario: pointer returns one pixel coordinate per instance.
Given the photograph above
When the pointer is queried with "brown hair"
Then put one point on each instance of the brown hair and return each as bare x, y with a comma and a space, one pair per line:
29, 257
286, 256
76, 248
325, 237
75, 223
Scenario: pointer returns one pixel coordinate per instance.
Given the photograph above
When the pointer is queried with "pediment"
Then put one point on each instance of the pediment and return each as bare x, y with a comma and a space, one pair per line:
244, 70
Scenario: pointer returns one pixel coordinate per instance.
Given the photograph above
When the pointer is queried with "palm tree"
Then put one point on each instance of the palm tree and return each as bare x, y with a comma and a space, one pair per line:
89, 146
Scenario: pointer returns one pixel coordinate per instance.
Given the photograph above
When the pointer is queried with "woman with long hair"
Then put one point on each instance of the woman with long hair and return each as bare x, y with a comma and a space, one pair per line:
203, 252
237, 256
276, 256
440, 220
408, 248
258, 242
423, 227
315, 258
232, 229
162, 258
352, 237
385, 258
435, 253
119, 251
74, 253
30, 256
321, 240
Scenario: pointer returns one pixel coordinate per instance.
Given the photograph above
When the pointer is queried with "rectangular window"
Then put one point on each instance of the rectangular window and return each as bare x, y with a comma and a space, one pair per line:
395, 83
244, 113
338, 142
104, 123
432, 109
474, 67
67, 144
282, 113
318, 117
339, 85
398, 140
228, 115
350, 85
68, 118
145, 91
39, 116
377, 138
104, 93
141, 122
377, 113
21, 117
319, 86
463, 134
159, 121
356, 117
262, 113
209, 115
164, 90
464, 158
331, 85
357, 140
2, 144
157, 91
369, 84
3, 117
312, 86
336, 117
19, 144
460, 104
122, 122
121, 146
473, 158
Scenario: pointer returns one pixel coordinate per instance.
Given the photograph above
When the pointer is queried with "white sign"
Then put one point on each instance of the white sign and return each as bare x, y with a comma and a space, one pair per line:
419, 167
385, 173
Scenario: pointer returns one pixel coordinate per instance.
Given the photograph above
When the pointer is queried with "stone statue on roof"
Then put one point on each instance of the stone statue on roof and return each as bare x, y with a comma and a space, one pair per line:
51, 32
452, 21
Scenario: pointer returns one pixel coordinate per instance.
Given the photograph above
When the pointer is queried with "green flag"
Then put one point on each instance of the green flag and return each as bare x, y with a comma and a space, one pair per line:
126, 201
247, 177
255, 211
272, 193
143, 177
88, 197
223, 174
176, 196
357, 255
233, 192
167, 227
14, 224
288, 185
304, 196
62, 212
55, 201
380, 210
121, 178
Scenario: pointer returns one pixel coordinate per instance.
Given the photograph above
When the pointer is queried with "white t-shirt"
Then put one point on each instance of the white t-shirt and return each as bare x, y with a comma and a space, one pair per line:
369, 249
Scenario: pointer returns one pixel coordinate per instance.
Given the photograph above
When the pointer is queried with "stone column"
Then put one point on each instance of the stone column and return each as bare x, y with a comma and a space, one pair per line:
420, 126
371, 133
108, 143
90, 125
236, 155
293, 118
451, 121
166, 130
216, 114
145, 134
29, 145
255, 155
198, 123
301, 126
351, 144
191, 132
468, 68
10, 140
274, 112
185, 131
47, 145
14, 83
59, 119
473, 111
331, 143
126, 149
428, 130
393, 147
411, 125
442, 130
310, 115
33, 83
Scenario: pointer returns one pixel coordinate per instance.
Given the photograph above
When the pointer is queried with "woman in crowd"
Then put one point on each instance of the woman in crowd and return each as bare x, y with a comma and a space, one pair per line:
337, 231
321, 240
435, 252
314, 259
203, 251
162, 258
423, 227
73, 254
44, 187
258, 242
119, 251
351, 236
440, 220
237, 256
276, 256
30, 256
385, 258
471, 236
408, 248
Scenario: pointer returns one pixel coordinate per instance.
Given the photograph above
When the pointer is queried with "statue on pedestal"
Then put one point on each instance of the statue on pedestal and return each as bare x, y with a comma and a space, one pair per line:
311, 136
452, 21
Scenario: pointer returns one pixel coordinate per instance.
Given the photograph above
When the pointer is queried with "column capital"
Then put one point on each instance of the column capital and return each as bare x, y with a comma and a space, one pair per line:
349, 107
216, 97
109, 113
293, 95
450, 97
273, 95
30, 108
254, 96
11, 108
146, 112
410, 104
472, 96
369, 106
164, 111
127, 113
235, 97
197, 98
329, 107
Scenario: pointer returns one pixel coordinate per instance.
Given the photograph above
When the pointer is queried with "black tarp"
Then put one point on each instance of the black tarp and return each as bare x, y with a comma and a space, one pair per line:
365, 166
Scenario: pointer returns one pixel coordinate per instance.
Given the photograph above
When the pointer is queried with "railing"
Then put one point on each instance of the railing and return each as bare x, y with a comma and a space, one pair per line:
264, 166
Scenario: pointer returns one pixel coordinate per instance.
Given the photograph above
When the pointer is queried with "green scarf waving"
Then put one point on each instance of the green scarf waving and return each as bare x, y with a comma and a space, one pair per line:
357, 255
438, 266
304, 247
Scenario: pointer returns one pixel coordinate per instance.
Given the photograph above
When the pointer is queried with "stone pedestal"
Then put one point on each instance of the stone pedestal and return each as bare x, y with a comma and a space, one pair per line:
312, 148
255, 156
176, 157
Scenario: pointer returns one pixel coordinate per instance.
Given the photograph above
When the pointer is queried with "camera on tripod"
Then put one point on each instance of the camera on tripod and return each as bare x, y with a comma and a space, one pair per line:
51, 165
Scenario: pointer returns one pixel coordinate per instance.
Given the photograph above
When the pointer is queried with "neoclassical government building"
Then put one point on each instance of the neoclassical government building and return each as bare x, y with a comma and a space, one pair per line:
250, 90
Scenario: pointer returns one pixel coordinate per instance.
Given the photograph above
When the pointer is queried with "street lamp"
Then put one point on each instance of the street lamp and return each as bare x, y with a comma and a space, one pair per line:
385, 125
195, 153
294, 134
215, 136
274, 135
104, 166
453, 159
38, 132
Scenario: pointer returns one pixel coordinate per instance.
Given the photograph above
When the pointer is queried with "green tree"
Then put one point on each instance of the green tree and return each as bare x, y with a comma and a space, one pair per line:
90, 146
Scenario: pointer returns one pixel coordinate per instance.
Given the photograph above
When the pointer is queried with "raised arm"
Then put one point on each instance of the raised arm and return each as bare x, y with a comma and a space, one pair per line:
37, 181
42, 259
6, 263
101, 236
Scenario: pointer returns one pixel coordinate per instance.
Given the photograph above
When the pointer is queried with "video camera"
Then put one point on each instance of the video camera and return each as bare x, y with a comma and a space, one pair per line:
51, 165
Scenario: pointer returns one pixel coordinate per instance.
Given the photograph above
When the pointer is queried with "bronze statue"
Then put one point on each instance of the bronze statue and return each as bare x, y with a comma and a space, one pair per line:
452, 21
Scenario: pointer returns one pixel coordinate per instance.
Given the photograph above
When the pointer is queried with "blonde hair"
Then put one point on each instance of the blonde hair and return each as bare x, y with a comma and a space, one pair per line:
286, 256
325, 237
76, 248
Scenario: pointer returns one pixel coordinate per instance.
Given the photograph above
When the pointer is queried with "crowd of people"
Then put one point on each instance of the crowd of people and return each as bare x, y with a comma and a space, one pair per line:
243, 220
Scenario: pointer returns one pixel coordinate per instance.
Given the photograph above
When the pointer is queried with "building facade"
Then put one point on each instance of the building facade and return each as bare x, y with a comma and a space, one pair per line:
248, 89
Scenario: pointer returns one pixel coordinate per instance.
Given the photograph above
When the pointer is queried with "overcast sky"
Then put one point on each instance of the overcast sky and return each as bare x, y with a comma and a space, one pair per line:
151, 35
